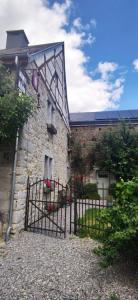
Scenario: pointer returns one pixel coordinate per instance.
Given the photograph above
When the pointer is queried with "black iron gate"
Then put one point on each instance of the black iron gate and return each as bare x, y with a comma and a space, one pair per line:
89, 201
46, 206
85, 217
54, 209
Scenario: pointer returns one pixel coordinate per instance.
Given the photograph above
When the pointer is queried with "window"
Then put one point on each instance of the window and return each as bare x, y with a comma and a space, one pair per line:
51, 118
48, 167
50, 113
102, 174
49, 108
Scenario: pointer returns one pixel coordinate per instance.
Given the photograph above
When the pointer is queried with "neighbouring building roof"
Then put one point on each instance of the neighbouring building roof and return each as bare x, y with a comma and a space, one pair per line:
103, 117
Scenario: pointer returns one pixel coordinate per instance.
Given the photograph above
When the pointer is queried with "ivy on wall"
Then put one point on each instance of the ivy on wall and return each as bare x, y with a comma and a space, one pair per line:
78, 162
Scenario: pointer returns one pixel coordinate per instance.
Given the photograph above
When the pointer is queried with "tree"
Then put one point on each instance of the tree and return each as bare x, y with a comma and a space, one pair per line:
15, 107
116, 151
78, 163
6, 80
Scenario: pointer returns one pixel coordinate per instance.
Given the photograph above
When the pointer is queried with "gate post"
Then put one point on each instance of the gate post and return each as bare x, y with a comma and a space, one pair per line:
75, 214
27, 204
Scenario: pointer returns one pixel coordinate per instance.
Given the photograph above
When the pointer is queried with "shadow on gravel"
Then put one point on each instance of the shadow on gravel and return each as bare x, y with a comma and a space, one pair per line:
127, 271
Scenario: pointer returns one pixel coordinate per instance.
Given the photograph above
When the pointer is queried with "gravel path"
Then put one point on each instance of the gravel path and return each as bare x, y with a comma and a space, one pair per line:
34, 266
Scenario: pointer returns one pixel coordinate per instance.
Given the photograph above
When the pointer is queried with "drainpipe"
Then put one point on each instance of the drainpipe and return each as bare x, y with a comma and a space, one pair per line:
14, 164
12, 189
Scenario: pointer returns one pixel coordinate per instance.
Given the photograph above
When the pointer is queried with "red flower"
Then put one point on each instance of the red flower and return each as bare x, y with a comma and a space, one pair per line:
68, 200
48, 183
51, 207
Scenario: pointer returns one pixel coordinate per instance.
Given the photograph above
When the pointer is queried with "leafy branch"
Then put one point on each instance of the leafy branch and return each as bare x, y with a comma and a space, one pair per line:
15, 108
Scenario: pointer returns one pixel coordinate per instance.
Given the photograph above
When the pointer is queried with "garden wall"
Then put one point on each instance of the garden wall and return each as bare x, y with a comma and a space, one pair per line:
86, 136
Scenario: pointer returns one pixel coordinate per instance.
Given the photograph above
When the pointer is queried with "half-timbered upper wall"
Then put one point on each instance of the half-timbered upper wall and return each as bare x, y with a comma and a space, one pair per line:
50, 64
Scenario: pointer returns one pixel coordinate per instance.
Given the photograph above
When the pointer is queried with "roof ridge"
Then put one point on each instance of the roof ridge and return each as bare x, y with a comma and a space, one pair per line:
105, 111
31, 49
39, 45
103, 116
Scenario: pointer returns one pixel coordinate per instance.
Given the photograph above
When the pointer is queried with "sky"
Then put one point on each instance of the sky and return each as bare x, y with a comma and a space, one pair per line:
101, 46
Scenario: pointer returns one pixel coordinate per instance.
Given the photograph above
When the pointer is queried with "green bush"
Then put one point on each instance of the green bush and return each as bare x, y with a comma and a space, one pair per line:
90, 191
122, 236
116, 152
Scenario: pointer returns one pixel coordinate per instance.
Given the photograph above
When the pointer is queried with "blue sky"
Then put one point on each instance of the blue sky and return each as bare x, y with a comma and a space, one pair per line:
116, 39
101, 46
116, 34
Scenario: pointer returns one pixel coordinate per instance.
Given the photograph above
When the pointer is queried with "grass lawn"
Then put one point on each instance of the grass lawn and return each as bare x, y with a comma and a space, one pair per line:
90, 225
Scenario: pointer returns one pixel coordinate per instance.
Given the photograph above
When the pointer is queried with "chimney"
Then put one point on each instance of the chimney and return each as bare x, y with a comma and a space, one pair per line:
16, 39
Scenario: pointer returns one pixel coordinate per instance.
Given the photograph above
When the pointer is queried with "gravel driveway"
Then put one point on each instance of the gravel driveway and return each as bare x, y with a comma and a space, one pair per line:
34, 266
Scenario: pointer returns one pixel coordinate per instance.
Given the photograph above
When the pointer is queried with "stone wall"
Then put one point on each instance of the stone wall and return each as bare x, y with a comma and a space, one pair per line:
86, 136
35, 144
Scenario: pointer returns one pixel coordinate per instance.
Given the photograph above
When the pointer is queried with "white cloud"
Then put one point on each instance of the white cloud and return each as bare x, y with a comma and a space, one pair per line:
77, 23
90, 39
44, 23
135, 64
106, 68
93, 22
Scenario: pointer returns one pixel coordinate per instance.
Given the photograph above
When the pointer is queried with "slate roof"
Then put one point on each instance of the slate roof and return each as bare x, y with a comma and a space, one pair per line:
103, 116
28, 50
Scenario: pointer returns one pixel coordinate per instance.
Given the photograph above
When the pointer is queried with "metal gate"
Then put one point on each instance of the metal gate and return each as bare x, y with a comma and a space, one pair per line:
85, 217
54, 209
46, 207
86, 208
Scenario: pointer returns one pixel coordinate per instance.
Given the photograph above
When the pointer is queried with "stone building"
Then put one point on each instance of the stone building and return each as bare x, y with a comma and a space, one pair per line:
42, 147
88, 126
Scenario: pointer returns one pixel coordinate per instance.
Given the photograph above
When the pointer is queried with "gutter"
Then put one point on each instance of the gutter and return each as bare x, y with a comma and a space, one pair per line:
14, 164
102, 122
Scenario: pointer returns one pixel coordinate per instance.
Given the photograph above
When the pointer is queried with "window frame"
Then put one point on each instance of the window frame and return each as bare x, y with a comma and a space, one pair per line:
48, 167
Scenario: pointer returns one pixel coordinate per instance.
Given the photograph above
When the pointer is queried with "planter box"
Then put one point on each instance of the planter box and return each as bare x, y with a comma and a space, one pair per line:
51, 207
51, 128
